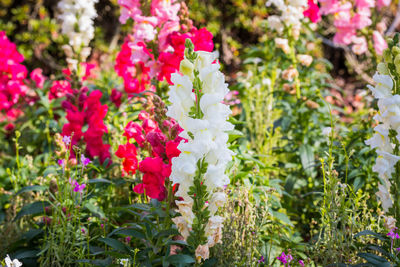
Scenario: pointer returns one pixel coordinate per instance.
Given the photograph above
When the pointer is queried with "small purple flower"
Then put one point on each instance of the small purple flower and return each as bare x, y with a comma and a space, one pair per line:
61, 162
282, 258
393, 235
285, 258
78, 187
84, 160
261, 260
102, 225
301, 263
83, 231
67, 140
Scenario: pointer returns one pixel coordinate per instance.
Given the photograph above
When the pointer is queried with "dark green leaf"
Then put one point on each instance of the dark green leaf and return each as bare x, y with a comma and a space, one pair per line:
115, 244
34, 208
307, 158
31, 188
375, 259
180, 259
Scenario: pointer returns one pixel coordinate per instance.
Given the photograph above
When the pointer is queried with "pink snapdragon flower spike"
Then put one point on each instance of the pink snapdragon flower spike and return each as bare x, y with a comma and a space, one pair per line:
379, 42
352, 18
165, 10
13, 89
145, 28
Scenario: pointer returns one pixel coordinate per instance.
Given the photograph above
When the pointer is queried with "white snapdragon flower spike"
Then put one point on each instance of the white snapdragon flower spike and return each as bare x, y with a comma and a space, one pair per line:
77, 21
291, 14
12, 263
389, 119
206, 141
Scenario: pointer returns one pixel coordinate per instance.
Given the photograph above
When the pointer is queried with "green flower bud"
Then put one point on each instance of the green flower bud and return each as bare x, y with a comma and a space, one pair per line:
395, 50
397, 63
387, 56
382, 68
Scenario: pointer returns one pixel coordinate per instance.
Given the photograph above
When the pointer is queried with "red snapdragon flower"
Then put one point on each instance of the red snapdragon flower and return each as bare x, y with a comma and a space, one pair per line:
312, 12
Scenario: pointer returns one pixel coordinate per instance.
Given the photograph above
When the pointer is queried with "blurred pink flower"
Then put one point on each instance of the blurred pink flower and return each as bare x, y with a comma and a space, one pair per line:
129, 9
382, 3
360, 45
379, 42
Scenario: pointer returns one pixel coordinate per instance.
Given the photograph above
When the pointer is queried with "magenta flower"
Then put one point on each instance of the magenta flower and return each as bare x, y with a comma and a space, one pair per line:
301, 263
393, 235
79, 188
84, 160
312, 12
285, 259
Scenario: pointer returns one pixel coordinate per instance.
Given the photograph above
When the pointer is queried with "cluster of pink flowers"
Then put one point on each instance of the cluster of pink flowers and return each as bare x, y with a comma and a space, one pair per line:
61, 88
350, 19
87, 110
170, 61
140, 60
161, 143
12, 80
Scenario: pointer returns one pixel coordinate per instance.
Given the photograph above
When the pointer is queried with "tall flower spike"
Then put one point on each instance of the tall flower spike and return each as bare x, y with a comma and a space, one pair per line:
196, 98
77, 24
387, 133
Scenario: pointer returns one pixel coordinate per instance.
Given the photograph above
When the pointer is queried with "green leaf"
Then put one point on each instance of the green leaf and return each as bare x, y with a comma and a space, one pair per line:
282, 217
34, 208
369, 232
141, 206
358, 183
234, 134
95, 210
26, 254
169, 232
115, 244
100, 181
31, 188
307, 158
31, 234
210, 262
180, 259
49, 170
374, 259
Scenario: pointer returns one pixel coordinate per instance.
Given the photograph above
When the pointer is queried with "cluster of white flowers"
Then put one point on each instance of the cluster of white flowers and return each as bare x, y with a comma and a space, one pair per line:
12, 263
206, 141
77, 24
291, 14
389, 119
